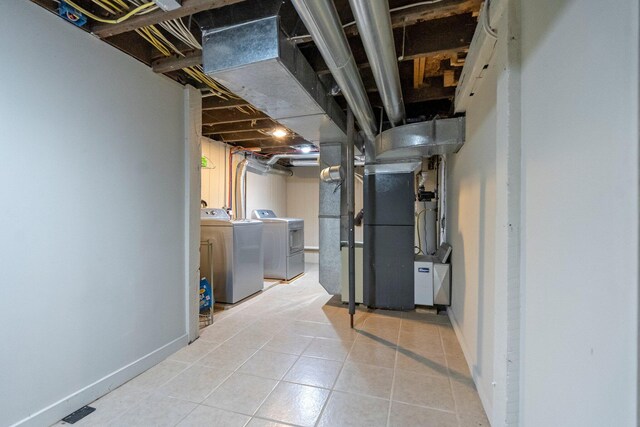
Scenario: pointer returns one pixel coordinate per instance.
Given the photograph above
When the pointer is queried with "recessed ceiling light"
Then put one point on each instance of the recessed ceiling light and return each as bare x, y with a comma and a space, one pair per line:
279, 133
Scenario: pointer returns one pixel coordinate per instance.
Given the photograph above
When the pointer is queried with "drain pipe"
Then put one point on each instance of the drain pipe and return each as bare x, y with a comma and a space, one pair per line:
374, 25
350, 212
322, 20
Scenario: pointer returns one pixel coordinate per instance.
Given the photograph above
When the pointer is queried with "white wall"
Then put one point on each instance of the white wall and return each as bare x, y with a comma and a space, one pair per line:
580, 212
471, 213
267, 192
570, 148
214, 177
92, 286
263, 191
303, 200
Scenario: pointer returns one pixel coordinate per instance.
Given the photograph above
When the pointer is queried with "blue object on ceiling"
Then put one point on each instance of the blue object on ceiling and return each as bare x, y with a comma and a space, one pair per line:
71, 14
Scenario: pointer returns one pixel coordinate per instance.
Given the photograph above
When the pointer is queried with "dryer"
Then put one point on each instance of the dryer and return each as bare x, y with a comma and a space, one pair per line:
231, 255
283, 245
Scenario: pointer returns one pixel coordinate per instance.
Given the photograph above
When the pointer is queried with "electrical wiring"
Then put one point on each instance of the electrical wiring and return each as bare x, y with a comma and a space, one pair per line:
123, 4
418, 230
104, 6
178, 29
486, 25
143, 7
112, 5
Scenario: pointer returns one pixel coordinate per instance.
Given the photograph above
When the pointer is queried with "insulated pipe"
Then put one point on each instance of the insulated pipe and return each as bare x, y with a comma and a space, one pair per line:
374, 25
322, 20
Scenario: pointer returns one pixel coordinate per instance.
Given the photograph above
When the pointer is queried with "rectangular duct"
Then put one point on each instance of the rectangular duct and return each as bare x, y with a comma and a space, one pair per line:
256, 61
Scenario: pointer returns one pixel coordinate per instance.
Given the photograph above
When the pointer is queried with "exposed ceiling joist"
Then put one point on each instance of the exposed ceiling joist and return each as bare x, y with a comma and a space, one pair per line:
244, 136
422, 39
216, 103
174, 62
264, 124
189, 7
408, 16
427, 12
229, 116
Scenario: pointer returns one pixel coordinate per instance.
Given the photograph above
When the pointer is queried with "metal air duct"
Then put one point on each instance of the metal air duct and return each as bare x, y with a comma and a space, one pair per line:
255, 60
374, 25
423, 139
309, 156
322, 21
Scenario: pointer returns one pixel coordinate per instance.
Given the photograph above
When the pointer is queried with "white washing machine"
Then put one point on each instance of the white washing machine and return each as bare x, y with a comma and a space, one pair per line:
283, 245
231, 255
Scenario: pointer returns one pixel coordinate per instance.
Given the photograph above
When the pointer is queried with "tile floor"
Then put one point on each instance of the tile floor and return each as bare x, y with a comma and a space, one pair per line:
288, 357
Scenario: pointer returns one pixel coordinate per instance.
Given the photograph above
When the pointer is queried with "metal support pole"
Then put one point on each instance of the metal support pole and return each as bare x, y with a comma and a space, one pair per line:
350, 172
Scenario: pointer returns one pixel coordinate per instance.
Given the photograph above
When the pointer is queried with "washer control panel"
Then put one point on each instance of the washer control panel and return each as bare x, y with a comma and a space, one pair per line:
214, 213
264, 213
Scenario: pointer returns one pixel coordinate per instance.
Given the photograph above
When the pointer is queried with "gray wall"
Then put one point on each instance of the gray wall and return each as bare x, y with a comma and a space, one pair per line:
92, 287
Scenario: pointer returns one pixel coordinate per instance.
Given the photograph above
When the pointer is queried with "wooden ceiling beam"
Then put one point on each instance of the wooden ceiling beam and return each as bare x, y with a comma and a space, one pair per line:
215, 117
215, 103
175, 62
263, 124
422, 39
242, 136
189, 7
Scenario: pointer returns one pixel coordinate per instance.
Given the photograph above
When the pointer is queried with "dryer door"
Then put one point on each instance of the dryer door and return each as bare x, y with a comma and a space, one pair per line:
296, 239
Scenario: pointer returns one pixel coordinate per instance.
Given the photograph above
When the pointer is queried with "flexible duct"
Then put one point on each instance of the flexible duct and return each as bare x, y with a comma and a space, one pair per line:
322, 20
374, 25
240, 204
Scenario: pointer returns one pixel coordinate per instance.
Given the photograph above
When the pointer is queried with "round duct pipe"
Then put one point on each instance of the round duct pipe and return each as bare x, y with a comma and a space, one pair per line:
332, 174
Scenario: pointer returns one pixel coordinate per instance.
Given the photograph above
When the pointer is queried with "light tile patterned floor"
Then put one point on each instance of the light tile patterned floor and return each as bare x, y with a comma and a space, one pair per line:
288, 357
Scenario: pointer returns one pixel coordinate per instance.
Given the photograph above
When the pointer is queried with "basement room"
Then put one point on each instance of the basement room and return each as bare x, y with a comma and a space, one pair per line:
320, 213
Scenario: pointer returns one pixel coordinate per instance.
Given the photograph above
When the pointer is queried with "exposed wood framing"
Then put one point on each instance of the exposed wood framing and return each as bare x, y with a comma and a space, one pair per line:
215, 103
244, 136
408, 16
229, 116
422, 39
264, 124
418, 71
189, 7
173, 63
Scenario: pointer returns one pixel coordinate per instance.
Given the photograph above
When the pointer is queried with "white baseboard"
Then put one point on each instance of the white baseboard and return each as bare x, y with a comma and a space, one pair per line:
65, 406
482, 392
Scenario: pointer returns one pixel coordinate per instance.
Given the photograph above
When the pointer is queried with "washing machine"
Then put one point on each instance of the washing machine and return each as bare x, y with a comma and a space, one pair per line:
283, 245
231, 255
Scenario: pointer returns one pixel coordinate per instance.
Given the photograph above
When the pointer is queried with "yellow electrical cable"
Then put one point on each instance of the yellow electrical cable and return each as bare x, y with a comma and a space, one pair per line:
158, 40
111, 4
149, 6
144, 33
105, 7
123, 4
